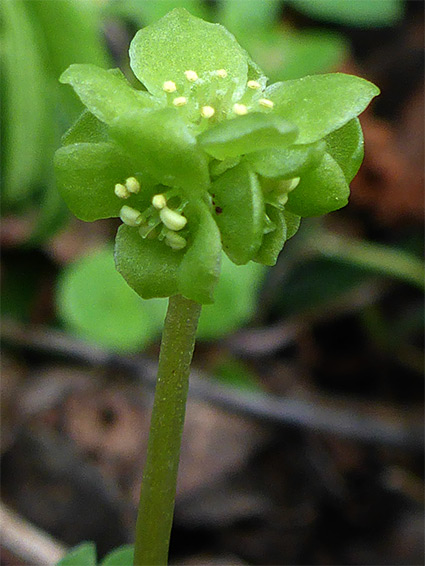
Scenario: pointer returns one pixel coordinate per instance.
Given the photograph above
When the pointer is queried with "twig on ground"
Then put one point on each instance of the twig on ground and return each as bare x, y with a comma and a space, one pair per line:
27, 542
376, 424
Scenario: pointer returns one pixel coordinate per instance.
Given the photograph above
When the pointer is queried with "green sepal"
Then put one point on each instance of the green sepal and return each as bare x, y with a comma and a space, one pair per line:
86, 175
150, 267
346, 146
86, 129
320, 104
246, 134
238, 209
106, 94
84, 553
321, 190
163, 145
287, 162
273, 241
179, 42
200, 268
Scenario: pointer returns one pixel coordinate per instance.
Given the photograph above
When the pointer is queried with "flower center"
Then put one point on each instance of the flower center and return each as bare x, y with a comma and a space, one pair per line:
207, 98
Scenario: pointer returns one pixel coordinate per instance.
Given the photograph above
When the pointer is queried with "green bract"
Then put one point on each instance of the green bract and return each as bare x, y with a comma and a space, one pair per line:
205, 157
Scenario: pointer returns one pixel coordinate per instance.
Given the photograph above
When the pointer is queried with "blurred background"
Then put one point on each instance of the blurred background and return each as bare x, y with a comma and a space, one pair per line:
303, 439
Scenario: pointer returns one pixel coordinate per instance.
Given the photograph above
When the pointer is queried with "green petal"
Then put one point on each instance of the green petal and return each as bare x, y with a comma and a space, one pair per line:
247, 134
274, 241
200, 268
287, 162
86, 129
163, 145
346, 146
320, 104
239, 212
86, 175
179, 42
106, 94
292, 223
150, 267
320, 191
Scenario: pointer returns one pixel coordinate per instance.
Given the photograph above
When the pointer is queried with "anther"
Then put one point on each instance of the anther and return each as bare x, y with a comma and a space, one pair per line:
180, 101
121, 191
175, 241
222, 73
169, 86
172, 219
132, 185
289, 185
254, 85
207, 112
191, 76
240, 109
266, 103
130, 216
159, 202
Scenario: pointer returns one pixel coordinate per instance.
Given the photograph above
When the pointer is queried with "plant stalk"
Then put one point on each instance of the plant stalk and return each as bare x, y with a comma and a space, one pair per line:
158, 490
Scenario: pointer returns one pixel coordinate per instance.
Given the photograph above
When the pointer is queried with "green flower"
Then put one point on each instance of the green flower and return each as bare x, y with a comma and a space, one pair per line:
207, 157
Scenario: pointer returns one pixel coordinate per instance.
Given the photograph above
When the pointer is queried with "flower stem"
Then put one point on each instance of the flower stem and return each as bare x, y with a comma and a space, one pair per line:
160, 474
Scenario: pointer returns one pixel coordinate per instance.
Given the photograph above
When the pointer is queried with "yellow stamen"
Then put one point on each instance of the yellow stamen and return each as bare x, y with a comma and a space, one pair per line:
159, 202
121, 191
169, 86
191, 76
207, 111
130, 216
266, 103
132, 185
222, 73
172, 219
240, 109
175, 241
180, 101
255, 85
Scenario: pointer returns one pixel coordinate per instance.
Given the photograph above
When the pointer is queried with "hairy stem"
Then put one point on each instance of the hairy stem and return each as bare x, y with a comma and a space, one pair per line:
160, 474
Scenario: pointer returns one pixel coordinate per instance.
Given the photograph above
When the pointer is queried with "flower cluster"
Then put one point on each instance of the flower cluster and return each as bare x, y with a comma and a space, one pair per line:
205, 156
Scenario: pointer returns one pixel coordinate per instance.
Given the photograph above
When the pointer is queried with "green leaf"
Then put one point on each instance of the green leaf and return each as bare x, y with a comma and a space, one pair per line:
84, 554
246, 134
105, 94
317, 284
150, 267
200, 268
163, 145
86, 175
86, 129
320, 104
25, 99
150, 12
239, 212
179, 42
235, 300
286, 54
346, 146
363, 13
320, 191
122, 556
80, 41
53, 214
287, 162
243, 18
97, 305
274, 241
